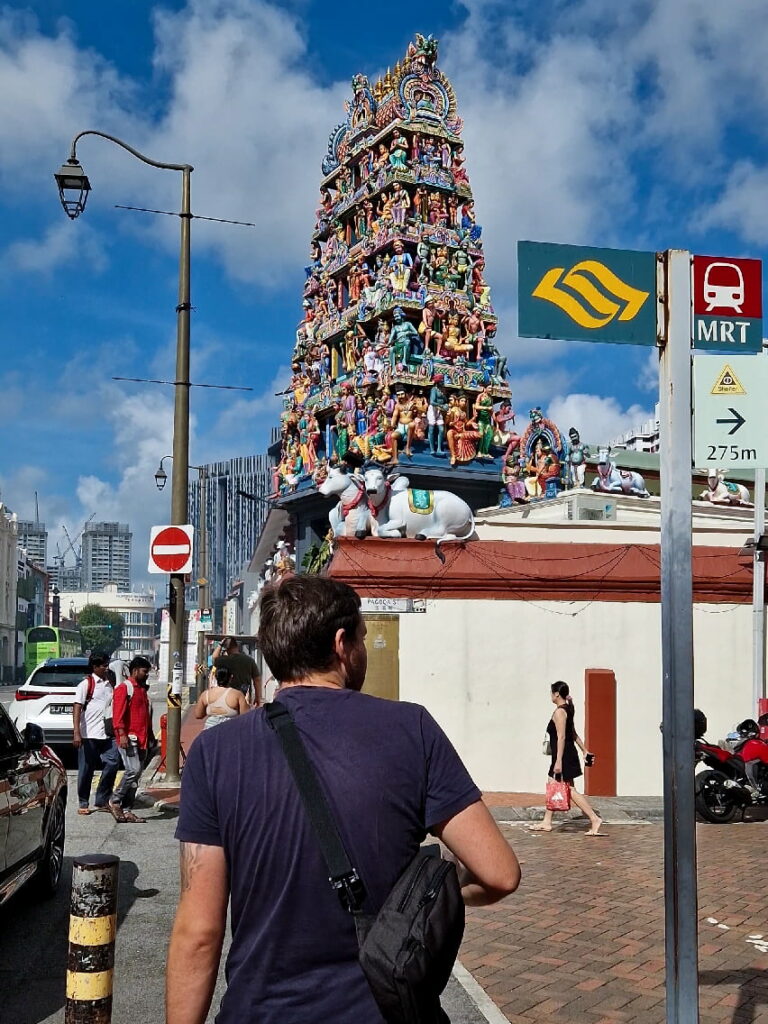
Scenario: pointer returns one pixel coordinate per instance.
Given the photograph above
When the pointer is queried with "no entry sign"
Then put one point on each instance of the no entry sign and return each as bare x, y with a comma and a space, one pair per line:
170, 549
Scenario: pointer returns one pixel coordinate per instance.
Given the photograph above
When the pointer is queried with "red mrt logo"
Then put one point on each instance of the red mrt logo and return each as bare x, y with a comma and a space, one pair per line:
727, 288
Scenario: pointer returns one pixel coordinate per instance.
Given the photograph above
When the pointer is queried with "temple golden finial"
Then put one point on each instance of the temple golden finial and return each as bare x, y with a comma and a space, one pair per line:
388, 81
378, 91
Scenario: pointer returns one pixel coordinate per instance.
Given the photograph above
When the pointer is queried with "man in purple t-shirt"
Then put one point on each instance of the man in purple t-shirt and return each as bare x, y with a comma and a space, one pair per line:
391, 776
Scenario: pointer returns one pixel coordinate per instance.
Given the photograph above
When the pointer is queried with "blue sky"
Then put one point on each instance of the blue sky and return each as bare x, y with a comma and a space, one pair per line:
637, 125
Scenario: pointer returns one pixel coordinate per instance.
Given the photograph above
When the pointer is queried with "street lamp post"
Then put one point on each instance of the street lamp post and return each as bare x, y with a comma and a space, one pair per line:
74, 188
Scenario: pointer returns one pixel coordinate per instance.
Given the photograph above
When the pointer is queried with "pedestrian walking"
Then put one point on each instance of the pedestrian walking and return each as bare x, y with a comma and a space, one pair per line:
391, 776
93, 698
244, 669
132, 721
222, 701
566, 767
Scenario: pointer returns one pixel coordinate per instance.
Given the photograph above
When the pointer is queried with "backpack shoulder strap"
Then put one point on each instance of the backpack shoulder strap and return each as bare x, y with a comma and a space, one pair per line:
342, 876
128, 689
89, 690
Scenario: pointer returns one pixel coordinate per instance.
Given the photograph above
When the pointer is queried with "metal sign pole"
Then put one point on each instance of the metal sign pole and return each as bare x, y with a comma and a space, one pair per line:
680, 893
758, 595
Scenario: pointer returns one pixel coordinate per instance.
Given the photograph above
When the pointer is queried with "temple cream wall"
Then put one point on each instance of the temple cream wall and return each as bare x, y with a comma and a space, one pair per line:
483, 669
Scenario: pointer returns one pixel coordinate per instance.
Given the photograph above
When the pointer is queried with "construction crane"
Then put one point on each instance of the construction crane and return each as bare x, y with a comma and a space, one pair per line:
71, 543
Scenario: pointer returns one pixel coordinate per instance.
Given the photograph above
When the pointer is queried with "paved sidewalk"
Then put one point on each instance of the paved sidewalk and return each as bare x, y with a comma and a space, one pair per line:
619, 809
583, 938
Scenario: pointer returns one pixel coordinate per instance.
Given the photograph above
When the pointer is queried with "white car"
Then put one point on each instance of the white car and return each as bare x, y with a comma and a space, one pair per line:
48, 697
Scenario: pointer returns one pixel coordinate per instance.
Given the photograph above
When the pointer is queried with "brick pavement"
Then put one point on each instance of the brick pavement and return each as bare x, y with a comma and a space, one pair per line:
583, 938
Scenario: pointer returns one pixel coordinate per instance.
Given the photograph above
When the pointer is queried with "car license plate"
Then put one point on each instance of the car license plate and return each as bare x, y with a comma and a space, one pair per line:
60, 709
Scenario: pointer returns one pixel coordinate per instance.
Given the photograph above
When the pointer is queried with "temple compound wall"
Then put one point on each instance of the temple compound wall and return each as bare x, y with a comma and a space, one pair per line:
504, 619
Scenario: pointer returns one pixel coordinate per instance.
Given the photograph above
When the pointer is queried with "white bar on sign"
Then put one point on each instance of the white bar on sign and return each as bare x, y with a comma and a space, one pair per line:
170, 549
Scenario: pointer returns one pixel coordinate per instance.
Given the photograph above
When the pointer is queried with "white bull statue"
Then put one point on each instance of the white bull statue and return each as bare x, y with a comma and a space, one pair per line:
725, 492
400, 511
372, 504
351, 516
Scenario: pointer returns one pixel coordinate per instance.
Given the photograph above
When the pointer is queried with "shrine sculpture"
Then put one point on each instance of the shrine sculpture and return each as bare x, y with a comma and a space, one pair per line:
611, 480
394, 355
724, 492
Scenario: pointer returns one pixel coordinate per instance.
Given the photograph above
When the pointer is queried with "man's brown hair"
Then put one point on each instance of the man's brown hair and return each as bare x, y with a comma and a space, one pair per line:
299, 618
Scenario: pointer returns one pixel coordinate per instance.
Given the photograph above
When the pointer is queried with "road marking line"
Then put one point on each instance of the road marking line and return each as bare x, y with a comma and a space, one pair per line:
478, 995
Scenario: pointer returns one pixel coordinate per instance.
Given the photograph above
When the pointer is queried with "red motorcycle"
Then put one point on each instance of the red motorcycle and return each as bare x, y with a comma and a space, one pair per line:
738, 772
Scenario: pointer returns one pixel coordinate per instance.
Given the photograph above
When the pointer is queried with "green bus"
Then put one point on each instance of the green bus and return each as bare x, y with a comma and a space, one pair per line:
42, 642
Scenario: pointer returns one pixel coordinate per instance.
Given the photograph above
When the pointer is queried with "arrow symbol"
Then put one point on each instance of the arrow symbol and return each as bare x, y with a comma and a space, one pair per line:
737, 421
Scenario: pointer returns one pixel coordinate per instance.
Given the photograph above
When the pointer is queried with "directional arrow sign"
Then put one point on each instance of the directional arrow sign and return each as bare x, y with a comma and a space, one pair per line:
736, 419
730, 411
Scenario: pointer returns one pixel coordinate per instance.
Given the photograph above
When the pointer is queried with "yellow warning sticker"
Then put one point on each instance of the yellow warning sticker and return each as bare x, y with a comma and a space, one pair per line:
727, 383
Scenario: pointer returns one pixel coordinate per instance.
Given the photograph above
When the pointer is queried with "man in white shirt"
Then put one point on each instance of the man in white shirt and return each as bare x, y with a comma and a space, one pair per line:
93, 697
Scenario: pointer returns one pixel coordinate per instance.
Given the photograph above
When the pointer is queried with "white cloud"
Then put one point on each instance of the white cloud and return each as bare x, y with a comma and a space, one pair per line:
61, 244
742, 205
599, 420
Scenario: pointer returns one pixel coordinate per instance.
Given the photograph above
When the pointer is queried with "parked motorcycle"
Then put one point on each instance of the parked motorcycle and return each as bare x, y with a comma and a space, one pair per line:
738, 772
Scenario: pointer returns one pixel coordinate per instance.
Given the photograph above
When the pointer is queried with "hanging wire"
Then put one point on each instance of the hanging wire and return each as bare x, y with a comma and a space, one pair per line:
220, 387
193, 216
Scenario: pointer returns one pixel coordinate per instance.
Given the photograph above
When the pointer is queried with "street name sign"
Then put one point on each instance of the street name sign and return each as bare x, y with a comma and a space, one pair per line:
579, 293
392, 605
170, 549
727, 304
730, 411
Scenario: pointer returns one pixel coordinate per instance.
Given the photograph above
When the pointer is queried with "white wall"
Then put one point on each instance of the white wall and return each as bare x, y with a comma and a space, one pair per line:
484, 668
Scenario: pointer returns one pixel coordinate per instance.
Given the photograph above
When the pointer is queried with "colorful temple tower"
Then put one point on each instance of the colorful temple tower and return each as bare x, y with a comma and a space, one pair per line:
395, 361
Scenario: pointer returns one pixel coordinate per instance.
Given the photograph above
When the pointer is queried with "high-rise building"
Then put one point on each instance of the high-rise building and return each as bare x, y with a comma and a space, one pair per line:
33, 538
233, 519
106, 556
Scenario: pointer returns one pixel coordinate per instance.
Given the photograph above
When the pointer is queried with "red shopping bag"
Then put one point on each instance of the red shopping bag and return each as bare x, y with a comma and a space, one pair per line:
558, 796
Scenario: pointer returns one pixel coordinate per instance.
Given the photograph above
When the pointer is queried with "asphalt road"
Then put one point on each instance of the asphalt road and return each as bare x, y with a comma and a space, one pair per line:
33, 935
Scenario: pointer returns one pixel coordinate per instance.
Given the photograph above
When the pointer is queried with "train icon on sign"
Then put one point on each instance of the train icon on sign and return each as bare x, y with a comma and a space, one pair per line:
724, 286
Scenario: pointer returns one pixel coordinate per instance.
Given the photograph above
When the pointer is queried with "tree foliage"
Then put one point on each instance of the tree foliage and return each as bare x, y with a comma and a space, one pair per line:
101, 628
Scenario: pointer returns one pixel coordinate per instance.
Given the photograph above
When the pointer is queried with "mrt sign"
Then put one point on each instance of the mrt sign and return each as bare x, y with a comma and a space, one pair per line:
727, 304
579, 293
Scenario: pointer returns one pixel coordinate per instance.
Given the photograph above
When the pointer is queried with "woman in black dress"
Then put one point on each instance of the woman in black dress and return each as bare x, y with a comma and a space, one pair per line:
563, 740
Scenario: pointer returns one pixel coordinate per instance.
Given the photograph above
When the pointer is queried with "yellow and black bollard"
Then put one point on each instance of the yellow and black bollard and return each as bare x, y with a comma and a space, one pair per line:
92, 930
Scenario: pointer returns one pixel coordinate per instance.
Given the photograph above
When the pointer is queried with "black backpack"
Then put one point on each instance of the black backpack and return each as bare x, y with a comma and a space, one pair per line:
407, 951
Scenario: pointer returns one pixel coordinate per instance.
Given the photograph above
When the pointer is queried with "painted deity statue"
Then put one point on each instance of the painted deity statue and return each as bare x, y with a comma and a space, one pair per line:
483, 415
513, 485
577, 459
542, 466
436, 410
404, 339
400, 268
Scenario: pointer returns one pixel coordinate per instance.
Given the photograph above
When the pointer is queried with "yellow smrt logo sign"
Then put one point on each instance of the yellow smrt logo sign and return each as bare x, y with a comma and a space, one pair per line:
599, 303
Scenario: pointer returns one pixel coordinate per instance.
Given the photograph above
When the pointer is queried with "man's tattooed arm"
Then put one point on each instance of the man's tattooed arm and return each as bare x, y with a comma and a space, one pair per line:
190, 863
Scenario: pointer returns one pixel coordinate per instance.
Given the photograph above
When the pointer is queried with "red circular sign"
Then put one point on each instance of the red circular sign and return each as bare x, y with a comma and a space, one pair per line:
171, 549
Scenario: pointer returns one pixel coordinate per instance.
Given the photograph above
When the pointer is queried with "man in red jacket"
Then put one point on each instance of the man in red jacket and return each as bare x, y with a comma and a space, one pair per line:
132, 720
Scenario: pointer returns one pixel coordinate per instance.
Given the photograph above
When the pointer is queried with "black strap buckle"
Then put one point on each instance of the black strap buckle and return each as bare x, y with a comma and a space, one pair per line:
350, 890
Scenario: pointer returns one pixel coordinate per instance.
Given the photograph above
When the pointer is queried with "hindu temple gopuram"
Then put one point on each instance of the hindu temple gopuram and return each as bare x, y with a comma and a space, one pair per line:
396, 361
